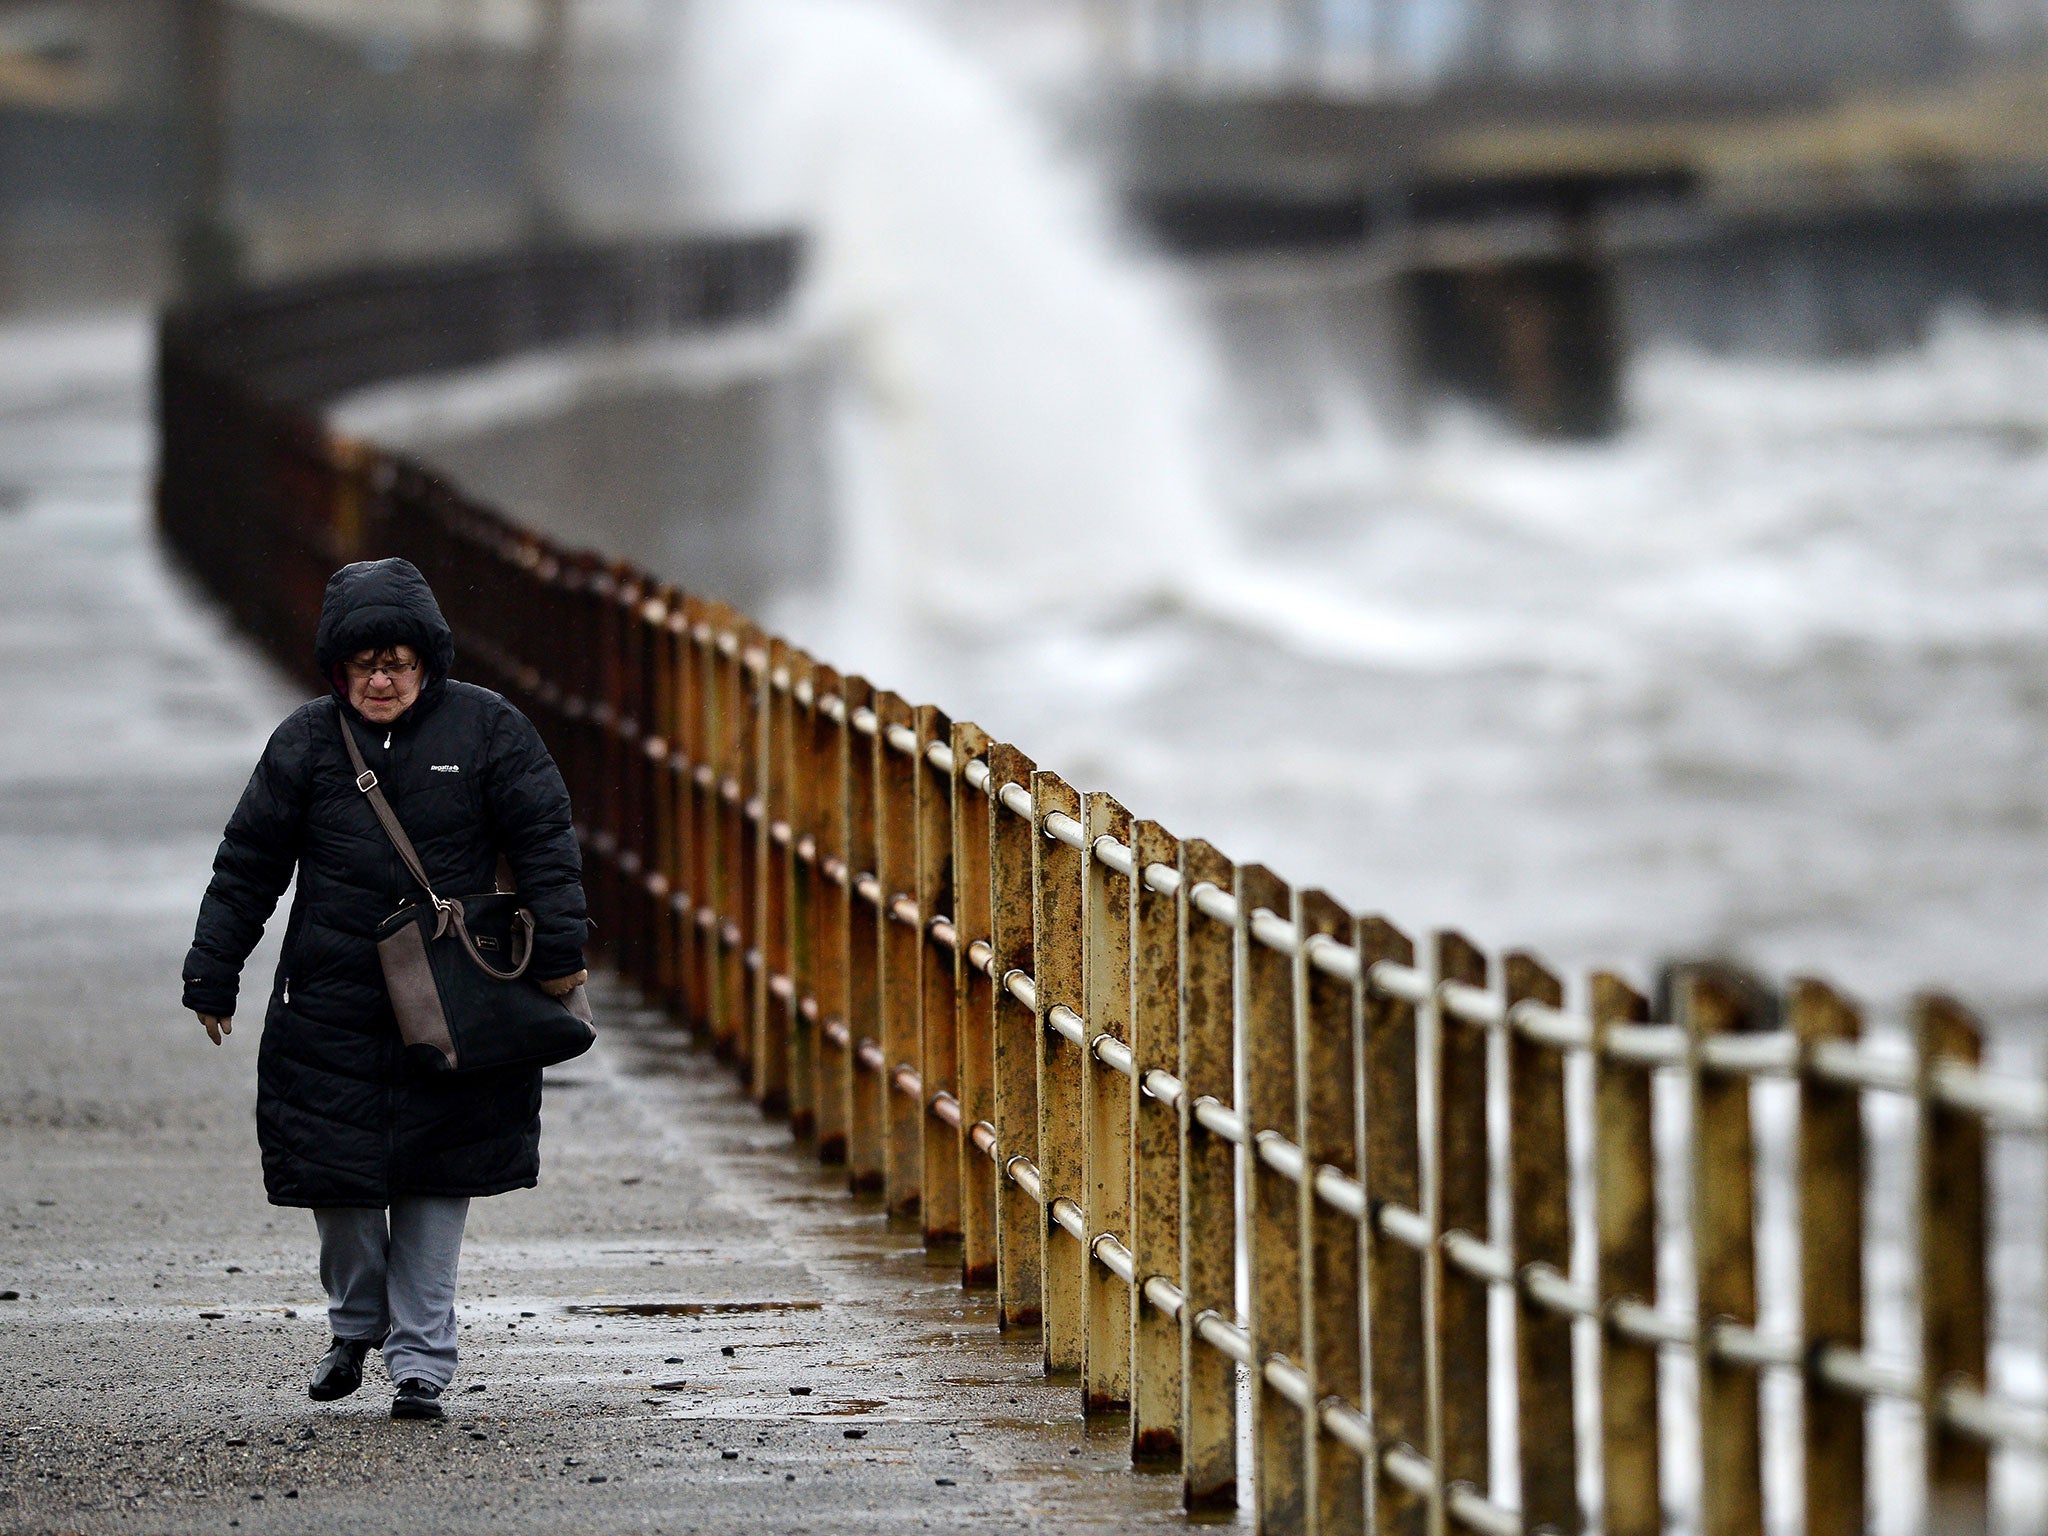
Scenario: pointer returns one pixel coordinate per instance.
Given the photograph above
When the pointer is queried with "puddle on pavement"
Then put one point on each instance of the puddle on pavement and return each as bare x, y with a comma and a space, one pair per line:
689, 1308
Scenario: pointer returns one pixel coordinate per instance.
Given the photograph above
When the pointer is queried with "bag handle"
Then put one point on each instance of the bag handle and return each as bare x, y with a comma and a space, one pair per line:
450, 912
524, 940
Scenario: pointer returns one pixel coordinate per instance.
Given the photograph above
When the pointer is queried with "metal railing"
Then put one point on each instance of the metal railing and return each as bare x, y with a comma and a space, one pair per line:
1090, 1052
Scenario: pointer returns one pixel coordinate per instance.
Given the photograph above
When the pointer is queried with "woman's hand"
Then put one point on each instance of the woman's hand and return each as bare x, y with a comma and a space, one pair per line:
216, 1026
562, 986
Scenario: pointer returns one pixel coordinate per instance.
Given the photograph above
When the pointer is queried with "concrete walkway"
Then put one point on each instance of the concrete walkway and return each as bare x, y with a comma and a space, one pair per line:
686, 1328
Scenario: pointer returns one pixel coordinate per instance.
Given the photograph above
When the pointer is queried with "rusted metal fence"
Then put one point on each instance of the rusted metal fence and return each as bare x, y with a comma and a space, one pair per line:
1218, 1145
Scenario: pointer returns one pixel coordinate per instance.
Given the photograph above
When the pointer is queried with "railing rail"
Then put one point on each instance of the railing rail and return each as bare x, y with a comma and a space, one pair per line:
1088, 1051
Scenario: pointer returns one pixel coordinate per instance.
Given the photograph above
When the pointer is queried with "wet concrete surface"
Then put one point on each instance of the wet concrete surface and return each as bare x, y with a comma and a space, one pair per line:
688, 1327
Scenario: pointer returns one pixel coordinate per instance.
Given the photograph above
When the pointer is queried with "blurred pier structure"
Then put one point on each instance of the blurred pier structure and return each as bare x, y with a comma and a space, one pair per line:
1533, 186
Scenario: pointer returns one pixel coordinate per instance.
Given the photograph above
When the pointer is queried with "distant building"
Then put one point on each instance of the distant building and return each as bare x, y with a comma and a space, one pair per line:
359, 128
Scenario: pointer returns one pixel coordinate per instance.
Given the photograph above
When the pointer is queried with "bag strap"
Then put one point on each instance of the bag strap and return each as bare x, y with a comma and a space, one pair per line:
366, 781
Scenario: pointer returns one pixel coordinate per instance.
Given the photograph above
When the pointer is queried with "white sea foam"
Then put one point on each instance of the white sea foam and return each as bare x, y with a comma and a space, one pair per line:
1024, 403
1758, 509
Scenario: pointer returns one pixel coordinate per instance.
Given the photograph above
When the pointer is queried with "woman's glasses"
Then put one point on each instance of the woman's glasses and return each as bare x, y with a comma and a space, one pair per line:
363, 671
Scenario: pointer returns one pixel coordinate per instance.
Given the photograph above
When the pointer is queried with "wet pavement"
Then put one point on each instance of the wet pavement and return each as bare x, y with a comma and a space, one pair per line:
687, 1327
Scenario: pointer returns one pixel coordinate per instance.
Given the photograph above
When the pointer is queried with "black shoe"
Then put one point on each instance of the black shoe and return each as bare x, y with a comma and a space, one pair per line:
416, 1400
340, 1370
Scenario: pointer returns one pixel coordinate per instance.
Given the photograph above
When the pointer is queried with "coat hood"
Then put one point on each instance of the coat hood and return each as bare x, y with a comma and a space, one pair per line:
375, 603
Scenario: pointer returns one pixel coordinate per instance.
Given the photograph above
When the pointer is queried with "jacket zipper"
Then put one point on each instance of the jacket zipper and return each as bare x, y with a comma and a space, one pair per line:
387, 769
390, 1094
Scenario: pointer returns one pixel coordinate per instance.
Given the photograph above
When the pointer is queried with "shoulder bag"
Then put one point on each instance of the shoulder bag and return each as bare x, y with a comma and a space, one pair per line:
457, 1012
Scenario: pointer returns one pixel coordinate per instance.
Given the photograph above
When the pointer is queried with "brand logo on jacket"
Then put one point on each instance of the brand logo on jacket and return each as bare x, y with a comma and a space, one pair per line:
446, 768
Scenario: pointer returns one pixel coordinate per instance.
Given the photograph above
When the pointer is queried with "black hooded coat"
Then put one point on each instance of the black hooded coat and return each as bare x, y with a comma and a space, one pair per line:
341, 1121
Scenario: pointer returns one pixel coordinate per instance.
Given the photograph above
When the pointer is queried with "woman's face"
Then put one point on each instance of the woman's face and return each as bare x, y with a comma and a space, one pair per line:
382, 685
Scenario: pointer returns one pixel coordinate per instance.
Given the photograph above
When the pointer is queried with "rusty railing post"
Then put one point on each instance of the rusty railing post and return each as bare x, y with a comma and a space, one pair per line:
938, 1042
1539, 1171
650, 883
1155, 1148
656, 711
831, 916
1625, 1213
974, 1005
628, 733
728, 985
1724, 1260
685, 741
1954, 1293
664, 852
607, 718
1107, 1108
1327, 1040
1830, 1262
1056, 905
1396, 1272
866, 1086
601, 872
1020, 1286
805, 778
897, 978
750, 822
717, 834
1208, 1208
777, 840
1272, 1108
1462, 1204
700, 715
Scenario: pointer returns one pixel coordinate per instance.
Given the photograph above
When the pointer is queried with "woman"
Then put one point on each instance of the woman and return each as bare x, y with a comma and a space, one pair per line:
344, 1128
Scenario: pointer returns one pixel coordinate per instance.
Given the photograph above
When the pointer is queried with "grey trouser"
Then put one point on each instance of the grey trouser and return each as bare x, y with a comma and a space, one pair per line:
396, 1283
